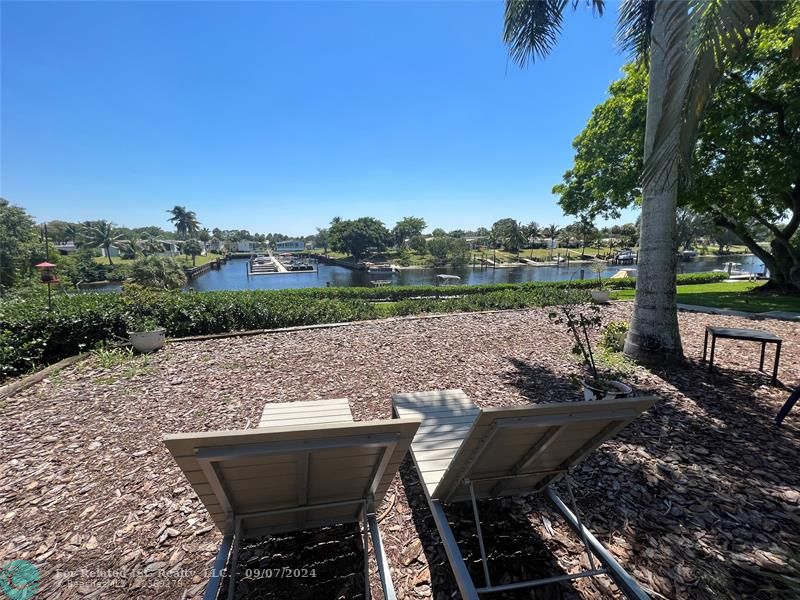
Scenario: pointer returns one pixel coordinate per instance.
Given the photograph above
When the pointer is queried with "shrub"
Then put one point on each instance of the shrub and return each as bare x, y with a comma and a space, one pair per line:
159, 272
32, 336
613, 337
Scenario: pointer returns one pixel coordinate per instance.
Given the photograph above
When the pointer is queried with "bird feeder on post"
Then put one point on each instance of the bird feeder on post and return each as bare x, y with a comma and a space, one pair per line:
47, 275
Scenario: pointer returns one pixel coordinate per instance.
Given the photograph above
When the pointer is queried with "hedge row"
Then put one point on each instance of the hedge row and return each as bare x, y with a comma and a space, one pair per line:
31, 336
396, 293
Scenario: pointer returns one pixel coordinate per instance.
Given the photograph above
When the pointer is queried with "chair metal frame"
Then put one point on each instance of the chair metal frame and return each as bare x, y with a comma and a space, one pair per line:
229, 549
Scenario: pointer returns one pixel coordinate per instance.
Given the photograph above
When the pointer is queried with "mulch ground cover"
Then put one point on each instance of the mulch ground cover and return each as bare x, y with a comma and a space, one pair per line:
698, 498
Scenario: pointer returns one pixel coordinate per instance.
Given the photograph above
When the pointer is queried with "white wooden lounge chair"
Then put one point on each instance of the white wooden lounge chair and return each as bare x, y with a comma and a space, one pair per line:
464, 453
307, 465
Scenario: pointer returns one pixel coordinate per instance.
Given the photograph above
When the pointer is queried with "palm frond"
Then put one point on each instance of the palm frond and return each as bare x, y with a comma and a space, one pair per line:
635, 26
703, 35
532, 28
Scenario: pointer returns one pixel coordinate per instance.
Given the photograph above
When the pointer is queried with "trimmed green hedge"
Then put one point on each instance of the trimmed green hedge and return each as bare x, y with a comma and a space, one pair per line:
404, 292
31, 336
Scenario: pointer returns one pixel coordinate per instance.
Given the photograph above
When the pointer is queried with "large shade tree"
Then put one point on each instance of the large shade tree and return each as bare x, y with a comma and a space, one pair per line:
686, 45
745, 166
406, 228
358, 236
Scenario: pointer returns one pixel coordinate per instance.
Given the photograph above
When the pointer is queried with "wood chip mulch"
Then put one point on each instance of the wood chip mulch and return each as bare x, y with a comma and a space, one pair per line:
696, 499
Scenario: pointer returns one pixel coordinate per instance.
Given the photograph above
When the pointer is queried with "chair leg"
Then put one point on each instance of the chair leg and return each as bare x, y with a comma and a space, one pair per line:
787, 406
713, 347
625, 582
705, 346
234, 561
582, 531
365, 541
212, 589
777, 362
484, 562
460, 572
380, 558
763, 351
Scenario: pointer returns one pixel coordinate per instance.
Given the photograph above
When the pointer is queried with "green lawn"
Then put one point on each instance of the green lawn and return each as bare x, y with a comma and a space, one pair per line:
182, 260
733, 296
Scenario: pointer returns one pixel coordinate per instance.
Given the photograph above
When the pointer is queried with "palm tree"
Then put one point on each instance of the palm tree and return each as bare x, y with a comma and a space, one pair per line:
532, 231
185, 221
103, 235
512, 237
686, 44
72, 232
551, 231
193, 248
204, 235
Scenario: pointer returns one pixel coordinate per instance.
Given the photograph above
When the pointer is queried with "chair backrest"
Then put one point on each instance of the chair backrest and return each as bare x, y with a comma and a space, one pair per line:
521, 449
289, 478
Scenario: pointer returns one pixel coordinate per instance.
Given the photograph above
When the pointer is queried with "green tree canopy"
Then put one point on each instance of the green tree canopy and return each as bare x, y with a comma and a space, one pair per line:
406, 228
17, 238
357, 236
746, 163
508, 232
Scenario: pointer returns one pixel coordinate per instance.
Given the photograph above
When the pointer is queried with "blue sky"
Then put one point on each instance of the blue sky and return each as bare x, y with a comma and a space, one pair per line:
279, 116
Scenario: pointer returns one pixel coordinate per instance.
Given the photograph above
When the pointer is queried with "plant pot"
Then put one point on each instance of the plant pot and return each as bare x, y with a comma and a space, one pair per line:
147, 341
615, 389
600, 296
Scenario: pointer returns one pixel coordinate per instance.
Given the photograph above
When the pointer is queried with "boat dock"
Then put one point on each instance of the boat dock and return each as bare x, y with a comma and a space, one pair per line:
270, 264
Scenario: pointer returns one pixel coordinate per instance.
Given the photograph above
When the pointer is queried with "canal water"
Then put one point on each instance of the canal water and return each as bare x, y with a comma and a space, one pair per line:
233, 275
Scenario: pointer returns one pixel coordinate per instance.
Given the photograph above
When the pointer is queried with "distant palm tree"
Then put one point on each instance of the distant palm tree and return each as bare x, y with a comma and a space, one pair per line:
686, 45
532, 231
193, 248
185, 221
103, 235
204, 235
512, 237
551, 231
72, 232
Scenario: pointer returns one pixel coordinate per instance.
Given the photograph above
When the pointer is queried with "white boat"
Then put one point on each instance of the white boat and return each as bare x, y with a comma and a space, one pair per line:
448, 279
380, 268
734, 271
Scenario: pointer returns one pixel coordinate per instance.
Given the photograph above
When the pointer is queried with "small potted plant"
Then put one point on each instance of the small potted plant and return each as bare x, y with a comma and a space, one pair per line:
146, 335
601, 294
596, 384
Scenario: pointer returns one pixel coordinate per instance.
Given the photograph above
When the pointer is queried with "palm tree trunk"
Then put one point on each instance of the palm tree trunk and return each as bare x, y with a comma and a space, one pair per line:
108, 255
654, 334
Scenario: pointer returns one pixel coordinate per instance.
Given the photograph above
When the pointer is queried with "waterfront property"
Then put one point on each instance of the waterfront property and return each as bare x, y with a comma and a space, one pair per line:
702, 485
233, 275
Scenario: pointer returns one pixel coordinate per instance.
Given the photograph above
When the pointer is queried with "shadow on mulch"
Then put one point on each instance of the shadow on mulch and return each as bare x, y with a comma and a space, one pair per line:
316, 564
515, 551
702, 467
538, 383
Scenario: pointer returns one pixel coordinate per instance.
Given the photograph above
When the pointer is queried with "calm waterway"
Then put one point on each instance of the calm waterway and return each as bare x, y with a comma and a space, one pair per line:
233, 275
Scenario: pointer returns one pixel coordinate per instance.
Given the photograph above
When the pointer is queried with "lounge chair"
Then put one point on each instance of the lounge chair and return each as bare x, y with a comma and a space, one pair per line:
307, 465
463, 453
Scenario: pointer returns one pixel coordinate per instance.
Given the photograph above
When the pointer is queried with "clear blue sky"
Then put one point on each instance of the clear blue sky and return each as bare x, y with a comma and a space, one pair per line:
276, 117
